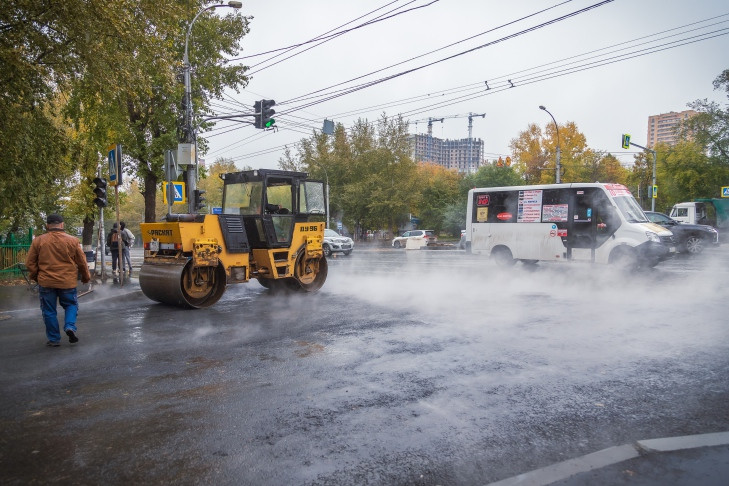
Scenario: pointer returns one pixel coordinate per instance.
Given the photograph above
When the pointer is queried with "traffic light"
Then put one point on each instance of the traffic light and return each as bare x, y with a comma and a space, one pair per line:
257, 110
199, 196
266, 113
100, 191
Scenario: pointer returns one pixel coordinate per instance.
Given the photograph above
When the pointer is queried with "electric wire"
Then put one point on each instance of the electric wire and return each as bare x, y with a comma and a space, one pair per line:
325, 38
555, 72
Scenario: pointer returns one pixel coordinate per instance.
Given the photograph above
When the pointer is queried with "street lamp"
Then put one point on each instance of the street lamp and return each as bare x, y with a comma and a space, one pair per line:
559, 167
186, 65
188, 136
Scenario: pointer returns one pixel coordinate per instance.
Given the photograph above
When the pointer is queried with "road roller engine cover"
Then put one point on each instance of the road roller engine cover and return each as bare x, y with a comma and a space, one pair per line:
271, 229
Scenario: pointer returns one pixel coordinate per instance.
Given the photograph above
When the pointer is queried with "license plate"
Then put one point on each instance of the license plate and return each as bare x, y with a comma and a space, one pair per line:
154, 245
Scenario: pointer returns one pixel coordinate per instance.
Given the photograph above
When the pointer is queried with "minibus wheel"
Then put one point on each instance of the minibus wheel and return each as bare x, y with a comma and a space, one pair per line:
624, 258
503, 257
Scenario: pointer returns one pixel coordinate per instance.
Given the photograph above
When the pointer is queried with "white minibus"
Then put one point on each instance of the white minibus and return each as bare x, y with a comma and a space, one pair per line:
590, 222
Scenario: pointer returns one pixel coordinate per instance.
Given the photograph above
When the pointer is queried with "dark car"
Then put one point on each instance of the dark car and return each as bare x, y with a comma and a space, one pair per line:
690, 238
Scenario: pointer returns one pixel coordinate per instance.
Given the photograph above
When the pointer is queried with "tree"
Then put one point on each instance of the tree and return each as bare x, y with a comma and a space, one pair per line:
212, 184
119, 81
685, 172
369, 170
529, 158
640, 178
710, 127
598, 166
439, 188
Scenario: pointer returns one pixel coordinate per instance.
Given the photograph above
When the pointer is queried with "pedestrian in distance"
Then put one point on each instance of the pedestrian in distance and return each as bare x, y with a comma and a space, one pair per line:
55, 260
114, 243
128, 240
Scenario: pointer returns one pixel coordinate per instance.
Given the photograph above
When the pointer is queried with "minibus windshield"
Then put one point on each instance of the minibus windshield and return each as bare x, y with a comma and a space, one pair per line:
630, 209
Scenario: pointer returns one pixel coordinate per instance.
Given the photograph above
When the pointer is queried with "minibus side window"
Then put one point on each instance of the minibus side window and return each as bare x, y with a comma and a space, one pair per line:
607, 219
503, 207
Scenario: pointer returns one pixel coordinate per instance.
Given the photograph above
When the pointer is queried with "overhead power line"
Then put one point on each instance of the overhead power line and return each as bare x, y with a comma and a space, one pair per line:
589, 60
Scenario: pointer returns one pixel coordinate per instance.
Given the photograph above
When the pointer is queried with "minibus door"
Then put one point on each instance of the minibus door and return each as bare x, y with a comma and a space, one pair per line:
581, 226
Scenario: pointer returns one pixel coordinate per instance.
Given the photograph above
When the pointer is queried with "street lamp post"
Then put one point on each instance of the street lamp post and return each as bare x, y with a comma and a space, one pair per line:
188, 135
559, 166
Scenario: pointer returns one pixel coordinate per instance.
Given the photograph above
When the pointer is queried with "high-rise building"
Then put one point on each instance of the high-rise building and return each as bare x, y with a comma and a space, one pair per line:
662, 128
464, 155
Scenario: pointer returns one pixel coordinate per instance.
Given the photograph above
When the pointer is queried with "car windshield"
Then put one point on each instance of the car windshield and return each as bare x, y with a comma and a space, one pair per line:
658, 218
331, 233
630, 209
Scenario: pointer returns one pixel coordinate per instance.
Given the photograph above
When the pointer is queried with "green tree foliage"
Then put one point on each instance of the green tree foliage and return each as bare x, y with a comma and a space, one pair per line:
372, 179
639, 180
439, 189
116, 67
212, 184
685, 172
710, 127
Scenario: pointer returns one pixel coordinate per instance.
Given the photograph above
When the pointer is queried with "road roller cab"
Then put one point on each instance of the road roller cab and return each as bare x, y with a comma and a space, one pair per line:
271, 229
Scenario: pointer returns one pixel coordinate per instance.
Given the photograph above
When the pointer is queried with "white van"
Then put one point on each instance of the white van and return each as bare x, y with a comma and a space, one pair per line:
690, 212
591, 222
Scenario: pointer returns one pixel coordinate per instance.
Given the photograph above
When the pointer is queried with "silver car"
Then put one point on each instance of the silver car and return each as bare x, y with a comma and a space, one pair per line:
334, 242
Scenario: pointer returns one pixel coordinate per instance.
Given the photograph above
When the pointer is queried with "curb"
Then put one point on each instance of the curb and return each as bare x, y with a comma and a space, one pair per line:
612, 455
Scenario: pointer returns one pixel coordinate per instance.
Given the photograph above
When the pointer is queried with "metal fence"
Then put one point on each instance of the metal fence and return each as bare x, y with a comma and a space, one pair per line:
13, 250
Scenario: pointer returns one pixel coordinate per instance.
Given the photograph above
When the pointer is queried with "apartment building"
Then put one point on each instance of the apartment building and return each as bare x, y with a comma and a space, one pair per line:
464, 155
662, 128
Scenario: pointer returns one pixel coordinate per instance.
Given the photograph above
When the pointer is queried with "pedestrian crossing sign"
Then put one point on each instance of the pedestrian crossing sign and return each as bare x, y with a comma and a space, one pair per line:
725, 191
178, 196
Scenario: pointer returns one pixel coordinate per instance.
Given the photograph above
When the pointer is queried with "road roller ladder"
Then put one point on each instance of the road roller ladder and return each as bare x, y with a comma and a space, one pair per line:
271, 229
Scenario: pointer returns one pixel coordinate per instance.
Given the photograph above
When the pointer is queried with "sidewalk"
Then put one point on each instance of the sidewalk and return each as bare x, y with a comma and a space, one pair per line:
687, 460
21, 297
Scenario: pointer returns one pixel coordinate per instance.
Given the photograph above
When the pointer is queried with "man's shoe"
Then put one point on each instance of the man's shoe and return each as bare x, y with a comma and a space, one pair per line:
53, 344
71, 337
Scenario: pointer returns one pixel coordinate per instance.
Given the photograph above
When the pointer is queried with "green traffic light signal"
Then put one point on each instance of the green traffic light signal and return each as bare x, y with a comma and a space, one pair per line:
267, 113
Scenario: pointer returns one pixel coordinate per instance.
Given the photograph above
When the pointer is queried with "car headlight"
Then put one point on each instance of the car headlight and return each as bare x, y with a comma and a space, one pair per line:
652, 236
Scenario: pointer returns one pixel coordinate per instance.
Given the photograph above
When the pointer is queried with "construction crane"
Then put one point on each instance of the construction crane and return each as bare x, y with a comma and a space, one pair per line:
471, 116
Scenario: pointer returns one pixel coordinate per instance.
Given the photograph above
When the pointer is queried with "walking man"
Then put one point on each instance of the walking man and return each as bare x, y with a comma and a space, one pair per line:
55, 261
128, 240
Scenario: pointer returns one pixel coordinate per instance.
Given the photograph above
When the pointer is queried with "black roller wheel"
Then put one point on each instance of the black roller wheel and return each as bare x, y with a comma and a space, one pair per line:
309, 274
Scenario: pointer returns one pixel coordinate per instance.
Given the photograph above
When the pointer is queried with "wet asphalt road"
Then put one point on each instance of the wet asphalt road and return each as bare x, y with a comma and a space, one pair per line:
408, 367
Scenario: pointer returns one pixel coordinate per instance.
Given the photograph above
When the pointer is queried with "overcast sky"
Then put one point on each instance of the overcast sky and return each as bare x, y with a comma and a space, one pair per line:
604, 101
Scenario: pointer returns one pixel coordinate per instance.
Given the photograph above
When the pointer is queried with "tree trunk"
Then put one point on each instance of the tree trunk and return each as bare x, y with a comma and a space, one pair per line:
87, 236
150, 197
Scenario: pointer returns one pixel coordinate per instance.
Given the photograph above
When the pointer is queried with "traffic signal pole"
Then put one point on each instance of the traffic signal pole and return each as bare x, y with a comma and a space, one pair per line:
626, 141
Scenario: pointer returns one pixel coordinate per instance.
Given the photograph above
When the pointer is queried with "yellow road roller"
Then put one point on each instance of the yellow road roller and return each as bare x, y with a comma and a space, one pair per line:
271, 228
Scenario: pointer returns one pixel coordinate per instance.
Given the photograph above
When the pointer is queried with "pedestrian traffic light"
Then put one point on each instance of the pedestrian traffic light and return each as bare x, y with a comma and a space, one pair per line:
257, 111
100, 191
266, 113
199, 199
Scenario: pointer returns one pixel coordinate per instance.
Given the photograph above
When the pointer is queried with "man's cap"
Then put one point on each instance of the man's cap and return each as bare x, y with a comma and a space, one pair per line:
54, 219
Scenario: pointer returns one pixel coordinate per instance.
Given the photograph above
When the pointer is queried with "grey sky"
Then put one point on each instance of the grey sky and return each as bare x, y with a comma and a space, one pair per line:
604, 101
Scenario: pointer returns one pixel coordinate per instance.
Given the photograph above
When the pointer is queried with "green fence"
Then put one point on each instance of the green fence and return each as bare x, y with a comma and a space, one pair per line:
13, 250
